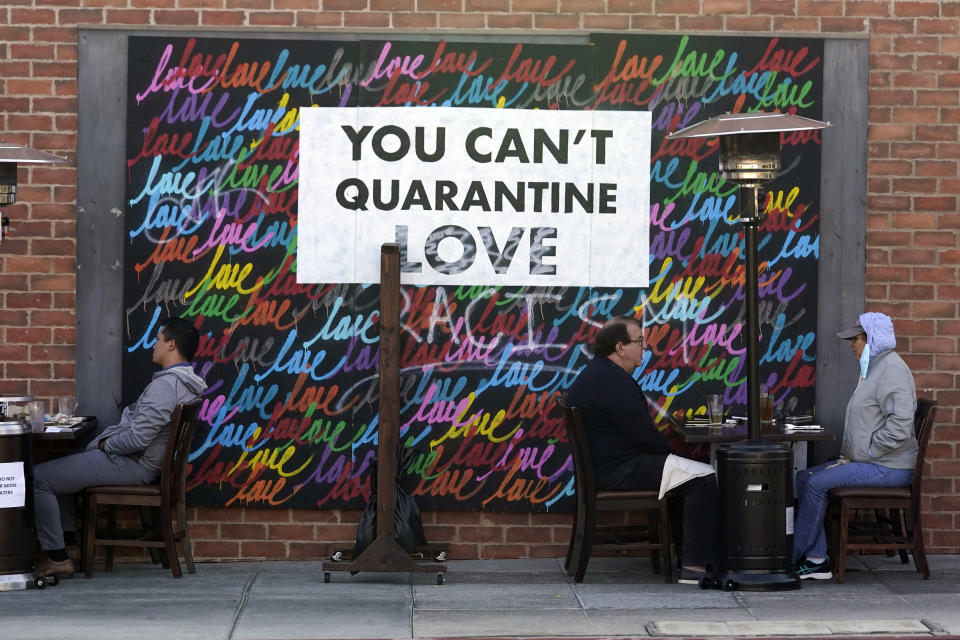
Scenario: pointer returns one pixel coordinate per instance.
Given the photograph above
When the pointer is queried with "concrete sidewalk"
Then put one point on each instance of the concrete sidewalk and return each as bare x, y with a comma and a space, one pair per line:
531, 598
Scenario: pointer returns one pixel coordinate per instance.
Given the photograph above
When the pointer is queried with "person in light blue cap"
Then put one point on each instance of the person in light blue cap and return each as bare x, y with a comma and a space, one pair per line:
879, 446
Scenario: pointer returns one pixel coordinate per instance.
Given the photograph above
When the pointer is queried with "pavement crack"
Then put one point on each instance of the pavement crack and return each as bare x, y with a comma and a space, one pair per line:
243, 601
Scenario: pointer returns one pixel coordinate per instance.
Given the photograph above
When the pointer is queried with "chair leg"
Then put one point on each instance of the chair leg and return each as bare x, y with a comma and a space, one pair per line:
899, 530
842, 545
148, 520
89, 536
185, 538
169, 546
919, 555
573, 539
108, 550
666, 543
653, 536
586, 546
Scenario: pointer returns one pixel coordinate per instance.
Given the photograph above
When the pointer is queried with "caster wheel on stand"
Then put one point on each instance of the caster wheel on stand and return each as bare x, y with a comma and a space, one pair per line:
39, 582
440, 578
326, 576
729, 585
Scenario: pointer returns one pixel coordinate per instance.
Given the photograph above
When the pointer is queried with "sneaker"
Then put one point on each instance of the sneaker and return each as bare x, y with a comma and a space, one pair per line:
690, 576
815, 570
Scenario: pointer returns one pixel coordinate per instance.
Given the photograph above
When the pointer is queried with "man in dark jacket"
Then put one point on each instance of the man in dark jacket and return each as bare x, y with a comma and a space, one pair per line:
628, 451
127, 453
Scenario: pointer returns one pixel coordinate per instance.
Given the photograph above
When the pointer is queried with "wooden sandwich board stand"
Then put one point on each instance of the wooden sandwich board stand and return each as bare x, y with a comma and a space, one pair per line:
384, 553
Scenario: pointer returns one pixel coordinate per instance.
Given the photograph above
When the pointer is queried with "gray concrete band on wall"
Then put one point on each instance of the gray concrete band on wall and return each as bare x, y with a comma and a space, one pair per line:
101, 333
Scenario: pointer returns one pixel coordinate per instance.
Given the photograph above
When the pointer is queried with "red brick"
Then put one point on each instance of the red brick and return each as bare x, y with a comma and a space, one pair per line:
507, 21
486, 5
353, 19
937, 26
393, 5
843, 25
439, 5
632, 6
415, 20
200, 531
128, 16
222, 18
51, 353
343, 5
177, 17
234, 531
935, 309
494, 551
522, 6
556, 21
307, 550
216, 514
215, 550
461, 20
272, 18
299, 532
259, 549
314, 19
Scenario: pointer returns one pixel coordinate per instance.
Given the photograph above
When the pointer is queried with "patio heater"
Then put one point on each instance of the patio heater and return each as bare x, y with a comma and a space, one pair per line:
755, 477
10, 156
16, 440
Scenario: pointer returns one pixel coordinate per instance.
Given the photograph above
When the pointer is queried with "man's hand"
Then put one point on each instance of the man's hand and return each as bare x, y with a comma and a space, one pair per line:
100, 444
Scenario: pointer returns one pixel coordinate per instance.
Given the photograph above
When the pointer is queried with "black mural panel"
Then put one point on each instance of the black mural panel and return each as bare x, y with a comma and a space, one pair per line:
290, 418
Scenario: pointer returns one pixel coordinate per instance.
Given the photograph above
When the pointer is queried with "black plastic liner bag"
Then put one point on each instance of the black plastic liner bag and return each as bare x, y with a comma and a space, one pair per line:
408, 527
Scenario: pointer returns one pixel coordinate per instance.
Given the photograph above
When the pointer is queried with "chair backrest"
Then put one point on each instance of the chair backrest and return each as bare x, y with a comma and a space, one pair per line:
923, 427
173, 474
586, 483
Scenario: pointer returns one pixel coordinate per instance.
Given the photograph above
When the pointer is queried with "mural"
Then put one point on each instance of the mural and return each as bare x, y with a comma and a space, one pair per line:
290, 418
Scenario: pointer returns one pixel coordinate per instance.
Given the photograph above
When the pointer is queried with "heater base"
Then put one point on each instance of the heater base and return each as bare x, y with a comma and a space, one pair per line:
756, 580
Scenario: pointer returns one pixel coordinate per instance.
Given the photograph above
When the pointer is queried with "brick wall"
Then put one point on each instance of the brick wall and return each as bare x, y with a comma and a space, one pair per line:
913, 186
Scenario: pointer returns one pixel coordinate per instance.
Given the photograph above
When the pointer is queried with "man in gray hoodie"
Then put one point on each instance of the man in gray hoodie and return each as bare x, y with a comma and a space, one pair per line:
127, 453
879, 446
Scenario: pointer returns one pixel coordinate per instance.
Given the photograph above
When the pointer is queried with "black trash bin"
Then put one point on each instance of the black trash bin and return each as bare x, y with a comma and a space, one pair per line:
755, 481
17, 540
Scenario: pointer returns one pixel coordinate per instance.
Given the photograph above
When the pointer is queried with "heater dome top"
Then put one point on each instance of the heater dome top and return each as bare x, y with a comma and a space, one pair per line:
739, 123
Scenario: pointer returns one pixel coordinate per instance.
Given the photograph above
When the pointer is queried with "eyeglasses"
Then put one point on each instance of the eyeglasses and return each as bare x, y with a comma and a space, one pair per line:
640, 340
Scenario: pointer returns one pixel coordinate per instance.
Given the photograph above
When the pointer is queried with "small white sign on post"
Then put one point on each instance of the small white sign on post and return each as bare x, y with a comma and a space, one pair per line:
475, 196
13, 485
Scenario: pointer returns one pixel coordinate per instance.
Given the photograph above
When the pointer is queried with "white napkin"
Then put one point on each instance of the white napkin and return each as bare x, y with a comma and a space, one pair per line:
677, 470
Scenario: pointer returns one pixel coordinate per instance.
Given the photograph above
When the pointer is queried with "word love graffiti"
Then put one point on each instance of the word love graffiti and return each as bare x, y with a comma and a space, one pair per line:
290, 417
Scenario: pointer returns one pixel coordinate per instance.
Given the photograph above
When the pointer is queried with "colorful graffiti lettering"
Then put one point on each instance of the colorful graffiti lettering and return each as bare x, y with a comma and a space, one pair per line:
290, 418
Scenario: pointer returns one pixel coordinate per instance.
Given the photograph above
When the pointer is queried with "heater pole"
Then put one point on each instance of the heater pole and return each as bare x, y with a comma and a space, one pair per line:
750, 217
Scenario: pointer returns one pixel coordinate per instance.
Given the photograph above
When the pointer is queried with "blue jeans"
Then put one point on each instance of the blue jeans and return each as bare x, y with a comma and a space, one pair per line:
809, 536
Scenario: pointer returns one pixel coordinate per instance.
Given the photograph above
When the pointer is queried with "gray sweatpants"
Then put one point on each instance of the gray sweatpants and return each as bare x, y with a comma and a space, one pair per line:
56, 483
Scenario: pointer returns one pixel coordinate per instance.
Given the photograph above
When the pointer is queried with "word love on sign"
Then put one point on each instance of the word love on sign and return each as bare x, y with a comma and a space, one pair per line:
475, 196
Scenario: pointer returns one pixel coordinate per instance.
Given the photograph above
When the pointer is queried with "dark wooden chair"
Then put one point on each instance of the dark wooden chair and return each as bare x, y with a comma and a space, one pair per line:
166, 501
587, 536
887, 526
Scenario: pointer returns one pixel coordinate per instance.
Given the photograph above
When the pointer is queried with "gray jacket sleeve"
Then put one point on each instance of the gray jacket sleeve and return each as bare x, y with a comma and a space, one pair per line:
895, 397
152, 413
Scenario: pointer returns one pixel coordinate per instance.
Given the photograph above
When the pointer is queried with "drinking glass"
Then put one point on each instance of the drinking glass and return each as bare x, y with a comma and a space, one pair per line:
66, 405
766, 408
715, 408
35, 413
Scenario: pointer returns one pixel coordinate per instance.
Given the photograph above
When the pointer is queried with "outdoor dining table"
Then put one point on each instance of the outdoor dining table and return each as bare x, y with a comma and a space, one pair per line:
716, 434
57, 440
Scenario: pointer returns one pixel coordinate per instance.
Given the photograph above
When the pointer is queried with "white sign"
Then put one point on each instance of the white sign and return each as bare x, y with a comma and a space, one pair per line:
13, 485
475, 196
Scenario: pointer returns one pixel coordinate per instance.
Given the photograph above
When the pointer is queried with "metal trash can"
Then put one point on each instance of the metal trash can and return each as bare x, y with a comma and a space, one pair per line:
755, 482
17, 539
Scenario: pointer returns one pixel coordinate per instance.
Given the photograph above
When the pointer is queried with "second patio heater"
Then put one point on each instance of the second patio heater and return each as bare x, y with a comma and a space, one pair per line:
755, 477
